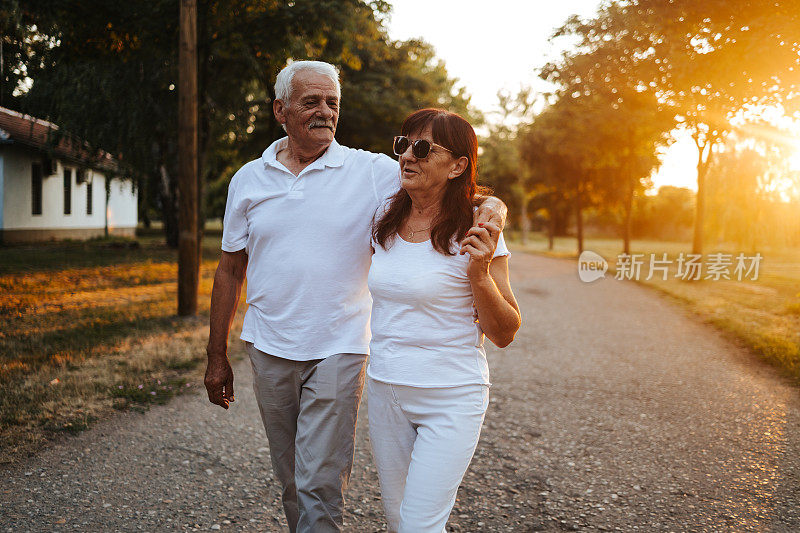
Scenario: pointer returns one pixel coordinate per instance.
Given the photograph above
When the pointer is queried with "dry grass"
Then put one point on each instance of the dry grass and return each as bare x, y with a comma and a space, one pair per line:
764, 314
89, 328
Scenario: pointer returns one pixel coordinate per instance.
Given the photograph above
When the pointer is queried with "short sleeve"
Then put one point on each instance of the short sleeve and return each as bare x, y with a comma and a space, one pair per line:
501, 249
234, 224
385, 177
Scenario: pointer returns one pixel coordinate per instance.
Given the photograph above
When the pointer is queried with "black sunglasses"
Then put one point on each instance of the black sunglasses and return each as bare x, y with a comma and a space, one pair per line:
420, 148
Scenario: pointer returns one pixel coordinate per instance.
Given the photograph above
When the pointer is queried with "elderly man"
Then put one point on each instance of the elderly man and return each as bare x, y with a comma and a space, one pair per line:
297, 225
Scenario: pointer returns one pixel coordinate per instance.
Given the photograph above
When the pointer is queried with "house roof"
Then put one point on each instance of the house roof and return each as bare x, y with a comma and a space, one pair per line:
16, 128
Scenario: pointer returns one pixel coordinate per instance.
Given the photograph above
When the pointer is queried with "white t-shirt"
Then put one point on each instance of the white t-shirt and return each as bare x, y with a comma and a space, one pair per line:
424, 329
307, 239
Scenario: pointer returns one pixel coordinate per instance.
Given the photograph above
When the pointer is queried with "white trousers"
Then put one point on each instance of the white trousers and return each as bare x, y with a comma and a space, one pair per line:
423, 440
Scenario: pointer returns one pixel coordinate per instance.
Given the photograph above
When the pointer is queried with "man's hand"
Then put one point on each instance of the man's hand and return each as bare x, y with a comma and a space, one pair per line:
228, 281
491, 211
219, 381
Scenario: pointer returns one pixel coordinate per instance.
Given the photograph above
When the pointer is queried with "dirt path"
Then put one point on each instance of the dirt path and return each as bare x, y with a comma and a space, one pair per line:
614, 410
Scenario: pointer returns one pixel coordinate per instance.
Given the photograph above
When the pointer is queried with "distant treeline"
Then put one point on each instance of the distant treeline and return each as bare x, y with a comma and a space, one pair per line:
748, 224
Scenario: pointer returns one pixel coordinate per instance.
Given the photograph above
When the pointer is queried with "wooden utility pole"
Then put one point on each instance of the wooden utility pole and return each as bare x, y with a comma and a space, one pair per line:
188, 234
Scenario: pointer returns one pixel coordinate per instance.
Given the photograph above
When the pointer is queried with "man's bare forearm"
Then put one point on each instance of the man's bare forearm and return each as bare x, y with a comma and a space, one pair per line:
490, 210
228, 281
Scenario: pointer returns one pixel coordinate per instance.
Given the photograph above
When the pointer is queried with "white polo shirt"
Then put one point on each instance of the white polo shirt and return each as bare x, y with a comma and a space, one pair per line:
307, 239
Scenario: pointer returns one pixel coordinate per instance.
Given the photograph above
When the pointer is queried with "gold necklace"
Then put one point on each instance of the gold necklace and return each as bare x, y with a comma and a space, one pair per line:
411, 231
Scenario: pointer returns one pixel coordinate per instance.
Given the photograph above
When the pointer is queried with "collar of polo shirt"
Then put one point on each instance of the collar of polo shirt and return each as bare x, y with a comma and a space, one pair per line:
332, 157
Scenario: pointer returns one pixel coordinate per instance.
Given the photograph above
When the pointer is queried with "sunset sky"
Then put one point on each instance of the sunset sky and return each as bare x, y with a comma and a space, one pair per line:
497, 45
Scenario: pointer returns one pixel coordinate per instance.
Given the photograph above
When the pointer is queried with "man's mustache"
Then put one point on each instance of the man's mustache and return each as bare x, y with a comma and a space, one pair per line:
321, 124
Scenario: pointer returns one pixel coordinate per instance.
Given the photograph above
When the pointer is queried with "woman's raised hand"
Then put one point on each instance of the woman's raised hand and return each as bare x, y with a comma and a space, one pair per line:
480, 243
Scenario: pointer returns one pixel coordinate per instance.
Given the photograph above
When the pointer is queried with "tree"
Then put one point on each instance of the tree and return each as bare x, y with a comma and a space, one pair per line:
109, 72
554, 151
19, 42
667, 215
705, 60
633, 126
750, 188
596, 147
106, 79
501, 166
388, 82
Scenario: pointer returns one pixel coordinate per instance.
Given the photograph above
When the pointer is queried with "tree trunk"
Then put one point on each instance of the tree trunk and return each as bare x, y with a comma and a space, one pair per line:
142, 184
108, 193
188, 244
755, 227
169, 209
699, 212
703, 160
524, 223
204, 132
579, 219
626, 236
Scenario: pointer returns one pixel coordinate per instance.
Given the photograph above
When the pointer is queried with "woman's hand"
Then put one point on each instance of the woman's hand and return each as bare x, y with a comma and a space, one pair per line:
480, 243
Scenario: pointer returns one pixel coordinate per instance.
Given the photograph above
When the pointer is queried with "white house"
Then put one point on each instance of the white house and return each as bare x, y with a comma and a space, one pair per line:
58, 192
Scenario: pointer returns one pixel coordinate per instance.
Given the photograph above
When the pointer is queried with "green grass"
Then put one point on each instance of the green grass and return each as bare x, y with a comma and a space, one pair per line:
91, 327
762, 314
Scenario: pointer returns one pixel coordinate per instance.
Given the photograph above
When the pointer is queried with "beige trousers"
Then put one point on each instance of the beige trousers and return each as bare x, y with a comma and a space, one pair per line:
309, 410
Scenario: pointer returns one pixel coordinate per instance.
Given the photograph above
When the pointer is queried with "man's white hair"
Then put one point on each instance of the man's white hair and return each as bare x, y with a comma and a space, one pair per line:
283, 83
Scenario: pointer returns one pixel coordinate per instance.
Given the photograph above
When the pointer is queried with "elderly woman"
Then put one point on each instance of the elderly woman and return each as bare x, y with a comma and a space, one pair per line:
438, 286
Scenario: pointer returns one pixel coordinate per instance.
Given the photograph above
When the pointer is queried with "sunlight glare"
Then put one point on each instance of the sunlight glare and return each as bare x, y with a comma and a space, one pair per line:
794, 159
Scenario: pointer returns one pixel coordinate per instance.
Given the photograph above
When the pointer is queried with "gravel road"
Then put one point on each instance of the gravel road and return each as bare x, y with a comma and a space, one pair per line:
614, 410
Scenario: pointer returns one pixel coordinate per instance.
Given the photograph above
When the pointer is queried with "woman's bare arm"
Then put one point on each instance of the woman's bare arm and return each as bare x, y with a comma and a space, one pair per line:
498, 311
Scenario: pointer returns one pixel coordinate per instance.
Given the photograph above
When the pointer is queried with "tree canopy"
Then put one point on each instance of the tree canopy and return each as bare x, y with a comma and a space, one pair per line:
634, 74
704, 61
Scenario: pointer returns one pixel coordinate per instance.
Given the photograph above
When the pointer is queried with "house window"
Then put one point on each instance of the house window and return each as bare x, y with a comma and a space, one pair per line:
89, 198
36, 189
67, 191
